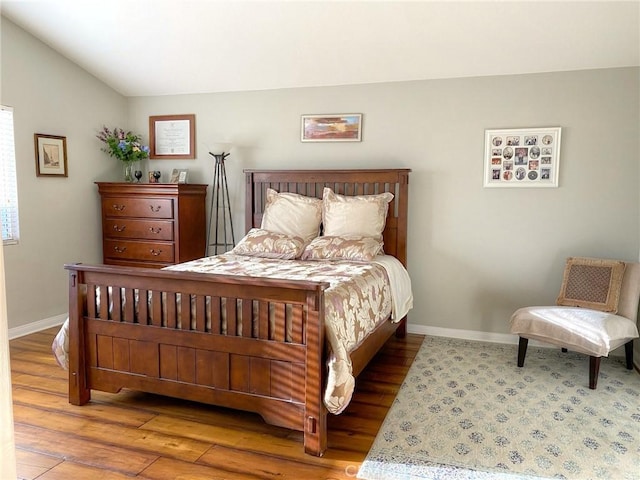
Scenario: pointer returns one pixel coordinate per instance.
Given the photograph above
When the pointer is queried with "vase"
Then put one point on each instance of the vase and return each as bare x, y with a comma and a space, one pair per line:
129, 167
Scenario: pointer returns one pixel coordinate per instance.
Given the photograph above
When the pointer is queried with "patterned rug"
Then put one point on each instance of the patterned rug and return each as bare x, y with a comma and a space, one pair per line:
466, 411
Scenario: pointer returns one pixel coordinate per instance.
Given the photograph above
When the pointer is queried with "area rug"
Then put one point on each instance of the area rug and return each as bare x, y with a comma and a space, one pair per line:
466, 411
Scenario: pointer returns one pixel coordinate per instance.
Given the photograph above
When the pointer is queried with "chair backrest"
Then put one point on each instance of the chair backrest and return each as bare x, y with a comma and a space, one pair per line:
630, 292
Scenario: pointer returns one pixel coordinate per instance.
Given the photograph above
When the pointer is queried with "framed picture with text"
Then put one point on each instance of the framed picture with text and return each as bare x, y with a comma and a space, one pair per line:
523, 157
172, 136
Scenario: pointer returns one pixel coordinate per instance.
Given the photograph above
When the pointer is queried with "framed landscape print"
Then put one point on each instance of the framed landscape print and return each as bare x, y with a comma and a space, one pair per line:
343, 127
524, 157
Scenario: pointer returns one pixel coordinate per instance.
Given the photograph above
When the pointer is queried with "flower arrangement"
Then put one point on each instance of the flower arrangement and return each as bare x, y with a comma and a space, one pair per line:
125, 146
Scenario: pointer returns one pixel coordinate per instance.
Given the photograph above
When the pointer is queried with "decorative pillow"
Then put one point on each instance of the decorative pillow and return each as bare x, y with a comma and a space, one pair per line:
262, 243
292, 214
360, 215
592, 283
342, 248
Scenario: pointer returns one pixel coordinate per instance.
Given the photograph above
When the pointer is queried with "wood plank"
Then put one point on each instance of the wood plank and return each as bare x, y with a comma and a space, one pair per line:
31, 465
77, 449
287, 445
94, 410
42, 384
169, 445
70, 470
246, 462
50, 370
166, 468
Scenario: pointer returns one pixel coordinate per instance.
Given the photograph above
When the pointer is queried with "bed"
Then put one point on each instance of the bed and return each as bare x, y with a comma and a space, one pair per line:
253, 343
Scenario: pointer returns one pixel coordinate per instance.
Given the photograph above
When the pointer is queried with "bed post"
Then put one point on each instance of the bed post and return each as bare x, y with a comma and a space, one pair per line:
79, 394
401, 245
315, 415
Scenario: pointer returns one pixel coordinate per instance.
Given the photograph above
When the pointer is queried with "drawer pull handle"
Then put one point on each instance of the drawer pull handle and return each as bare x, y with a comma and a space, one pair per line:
119, 229
155, 253
155, 229
119, 249
119, 208
155, 209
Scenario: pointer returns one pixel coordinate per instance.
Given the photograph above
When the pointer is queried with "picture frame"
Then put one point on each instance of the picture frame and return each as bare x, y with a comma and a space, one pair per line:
342, 127
179, 175
522, 157
172, 136
51, 155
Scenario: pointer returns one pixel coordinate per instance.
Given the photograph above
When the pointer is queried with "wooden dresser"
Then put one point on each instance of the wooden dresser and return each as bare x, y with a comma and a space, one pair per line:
152, 225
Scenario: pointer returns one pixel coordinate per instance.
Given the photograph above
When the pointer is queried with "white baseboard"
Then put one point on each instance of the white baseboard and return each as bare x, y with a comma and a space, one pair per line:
34, 327
506, 338
465, 334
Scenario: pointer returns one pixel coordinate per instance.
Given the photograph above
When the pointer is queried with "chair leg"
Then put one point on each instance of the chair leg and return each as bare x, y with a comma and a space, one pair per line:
522, 350
628, 353
594, 369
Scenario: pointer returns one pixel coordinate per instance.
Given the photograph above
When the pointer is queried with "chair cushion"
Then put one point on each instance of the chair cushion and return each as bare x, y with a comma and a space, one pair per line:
591, 283
584, 330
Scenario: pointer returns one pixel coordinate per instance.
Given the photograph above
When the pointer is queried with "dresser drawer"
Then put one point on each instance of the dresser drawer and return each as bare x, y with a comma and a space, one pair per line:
142, 229
138, 250
137, 207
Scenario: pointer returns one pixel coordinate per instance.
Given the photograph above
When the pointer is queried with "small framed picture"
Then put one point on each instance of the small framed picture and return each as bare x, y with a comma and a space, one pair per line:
344, 127
51, 155
179, 175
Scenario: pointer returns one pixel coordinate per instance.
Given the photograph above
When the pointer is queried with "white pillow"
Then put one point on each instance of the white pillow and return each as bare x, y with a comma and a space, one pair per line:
292, 214
361, 215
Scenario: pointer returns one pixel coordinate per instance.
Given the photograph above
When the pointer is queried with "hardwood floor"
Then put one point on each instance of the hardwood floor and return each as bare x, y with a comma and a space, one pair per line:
143, 436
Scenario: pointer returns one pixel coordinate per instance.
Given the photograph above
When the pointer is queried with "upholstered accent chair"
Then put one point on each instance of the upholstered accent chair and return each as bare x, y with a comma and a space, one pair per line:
595, 313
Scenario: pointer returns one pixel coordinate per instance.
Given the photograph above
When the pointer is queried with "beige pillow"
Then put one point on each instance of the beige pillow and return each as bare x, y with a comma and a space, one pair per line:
342, 248
262, 243
292, 214
360, 215
592, 283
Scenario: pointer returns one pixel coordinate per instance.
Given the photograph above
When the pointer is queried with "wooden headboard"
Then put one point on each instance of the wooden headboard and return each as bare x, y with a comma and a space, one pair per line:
344, 182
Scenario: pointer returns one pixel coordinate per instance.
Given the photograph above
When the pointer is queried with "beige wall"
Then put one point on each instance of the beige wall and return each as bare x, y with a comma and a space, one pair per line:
475, 254
59, 220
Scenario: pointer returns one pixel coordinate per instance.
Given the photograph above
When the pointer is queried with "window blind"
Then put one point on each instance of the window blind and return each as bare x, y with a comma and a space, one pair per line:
8, 178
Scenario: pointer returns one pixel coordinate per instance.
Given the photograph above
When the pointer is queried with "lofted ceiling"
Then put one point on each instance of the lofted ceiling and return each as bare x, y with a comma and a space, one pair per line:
165, 47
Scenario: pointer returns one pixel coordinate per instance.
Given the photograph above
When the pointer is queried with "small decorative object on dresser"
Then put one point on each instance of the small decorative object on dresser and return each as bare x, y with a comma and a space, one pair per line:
125, 146
154, 176
152, 225
179, 175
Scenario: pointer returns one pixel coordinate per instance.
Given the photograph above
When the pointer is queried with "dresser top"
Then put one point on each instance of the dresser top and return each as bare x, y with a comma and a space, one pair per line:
151, 188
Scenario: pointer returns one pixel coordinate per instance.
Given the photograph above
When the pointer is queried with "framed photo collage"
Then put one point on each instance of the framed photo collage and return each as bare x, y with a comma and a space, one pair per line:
527, 157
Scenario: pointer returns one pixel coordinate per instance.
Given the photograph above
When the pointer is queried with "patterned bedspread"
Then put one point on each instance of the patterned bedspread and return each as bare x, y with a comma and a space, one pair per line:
359, 297
357, 300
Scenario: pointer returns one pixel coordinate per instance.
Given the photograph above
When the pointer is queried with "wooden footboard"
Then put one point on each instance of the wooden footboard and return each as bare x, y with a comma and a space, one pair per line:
251, 344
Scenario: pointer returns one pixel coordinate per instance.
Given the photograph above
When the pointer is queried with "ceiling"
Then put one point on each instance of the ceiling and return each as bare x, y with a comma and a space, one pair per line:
165, 47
